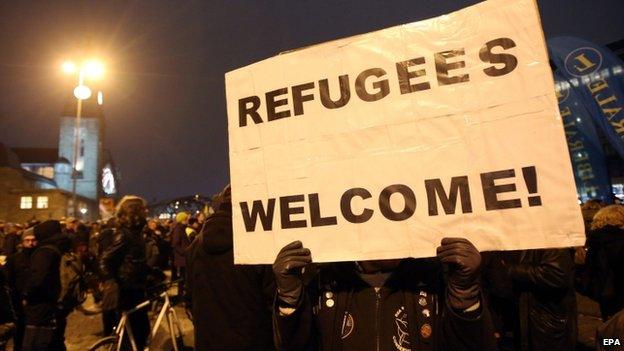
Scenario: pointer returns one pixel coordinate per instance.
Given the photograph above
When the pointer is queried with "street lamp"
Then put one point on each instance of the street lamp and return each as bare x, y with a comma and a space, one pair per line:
93, 70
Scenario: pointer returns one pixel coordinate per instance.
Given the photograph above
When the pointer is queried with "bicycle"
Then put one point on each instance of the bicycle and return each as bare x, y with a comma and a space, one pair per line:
123, 329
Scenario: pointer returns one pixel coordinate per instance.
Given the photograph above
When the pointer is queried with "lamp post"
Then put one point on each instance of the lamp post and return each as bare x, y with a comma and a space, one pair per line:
91, 69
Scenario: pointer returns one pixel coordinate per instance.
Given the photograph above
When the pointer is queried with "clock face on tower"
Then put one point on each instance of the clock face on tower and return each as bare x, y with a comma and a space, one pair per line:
108, 181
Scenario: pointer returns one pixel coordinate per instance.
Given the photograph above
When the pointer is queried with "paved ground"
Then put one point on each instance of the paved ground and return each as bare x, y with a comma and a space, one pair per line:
83, 330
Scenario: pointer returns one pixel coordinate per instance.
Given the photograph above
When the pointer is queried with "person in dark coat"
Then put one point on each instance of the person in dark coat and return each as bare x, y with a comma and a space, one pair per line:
498, 288
180, 240
110, 293
612, 329
230, 304
152, 253
605, 259
11, 239
17, 271
45, 329
542, 306
154, 235
71, 227
7, 315
384, 304
123, 264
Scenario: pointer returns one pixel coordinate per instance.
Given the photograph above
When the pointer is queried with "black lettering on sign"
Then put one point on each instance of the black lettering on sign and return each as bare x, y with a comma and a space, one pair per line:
509, 61
286, 211
408, 196
405, 75
345, 92
495, 53
299, 98
258, 211
382, 86
347, 210
459, 189
435, 190
530, 178
316, 220
443, 67
273, 104
491, 190
245, 110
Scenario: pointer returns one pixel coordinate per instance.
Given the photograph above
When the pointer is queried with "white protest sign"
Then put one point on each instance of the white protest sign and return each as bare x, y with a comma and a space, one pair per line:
379, 145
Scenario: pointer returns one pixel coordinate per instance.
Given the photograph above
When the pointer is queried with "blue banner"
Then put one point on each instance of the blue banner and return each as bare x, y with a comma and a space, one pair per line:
596, 74
588, 160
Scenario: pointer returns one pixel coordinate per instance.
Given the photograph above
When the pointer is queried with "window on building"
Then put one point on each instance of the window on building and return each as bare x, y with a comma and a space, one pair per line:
26, 202
47, 172
42, 202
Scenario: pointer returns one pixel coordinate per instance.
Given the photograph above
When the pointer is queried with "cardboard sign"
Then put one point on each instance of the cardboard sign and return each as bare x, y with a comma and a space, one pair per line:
379, 145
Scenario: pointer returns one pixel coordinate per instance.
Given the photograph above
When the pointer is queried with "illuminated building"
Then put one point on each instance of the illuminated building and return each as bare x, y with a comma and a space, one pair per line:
36, 183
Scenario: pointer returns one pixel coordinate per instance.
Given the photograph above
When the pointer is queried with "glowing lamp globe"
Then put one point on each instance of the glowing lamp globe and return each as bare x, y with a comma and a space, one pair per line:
82, 92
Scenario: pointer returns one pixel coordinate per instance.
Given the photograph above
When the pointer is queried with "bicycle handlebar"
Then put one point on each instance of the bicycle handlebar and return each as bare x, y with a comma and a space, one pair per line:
146, 303
166, 285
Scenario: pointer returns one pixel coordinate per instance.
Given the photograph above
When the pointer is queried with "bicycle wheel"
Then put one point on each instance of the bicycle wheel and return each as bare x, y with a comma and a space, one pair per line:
108, 343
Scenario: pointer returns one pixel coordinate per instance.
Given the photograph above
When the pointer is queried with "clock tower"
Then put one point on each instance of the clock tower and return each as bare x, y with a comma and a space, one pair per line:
90, 158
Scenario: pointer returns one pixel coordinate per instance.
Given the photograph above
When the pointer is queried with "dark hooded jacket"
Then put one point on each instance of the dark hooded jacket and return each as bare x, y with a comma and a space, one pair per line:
605, 260
7, 315
124, 259
11, 243
612, 329
44, 284
231, 304
544, 282
180, 242
17, 271
340, 311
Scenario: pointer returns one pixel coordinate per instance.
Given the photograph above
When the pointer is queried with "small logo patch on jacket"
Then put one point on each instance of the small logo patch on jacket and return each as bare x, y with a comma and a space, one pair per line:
347, 326
401, 339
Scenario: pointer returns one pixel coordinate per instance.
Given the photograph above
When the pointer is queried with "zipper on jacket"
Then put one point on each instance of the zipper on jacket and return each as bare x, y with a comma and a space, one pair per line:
377, 301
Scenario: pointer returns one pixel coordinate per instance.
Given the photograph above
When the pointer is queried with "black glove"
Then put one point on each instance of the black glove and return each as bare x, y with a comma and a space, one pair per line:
288, 270
461, 262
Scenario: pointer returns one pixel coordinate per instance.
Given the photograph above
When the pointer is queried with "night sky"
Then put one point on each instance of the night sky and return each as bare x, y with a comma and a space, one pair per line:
166, 60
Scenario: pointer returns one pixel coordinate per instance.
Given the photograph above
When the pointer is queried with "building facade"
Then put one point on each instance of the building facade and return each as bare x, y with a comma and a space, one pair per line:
39, 183
26, 195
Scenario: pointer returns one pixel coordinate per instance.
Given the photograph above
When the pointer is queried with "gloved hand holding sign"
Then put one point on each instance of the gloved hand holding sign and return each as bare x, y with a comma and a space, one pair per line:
461, 262
288, 273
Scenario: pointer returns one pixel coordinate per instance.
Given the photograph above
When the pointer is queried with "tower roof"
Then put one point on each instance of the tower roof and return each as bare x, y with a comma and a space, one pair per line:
36, 154
8, 158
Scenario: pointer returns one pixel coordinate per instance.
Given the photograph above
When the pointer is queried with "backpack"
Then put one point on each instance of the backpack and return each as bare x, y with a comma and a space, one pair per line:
73, 285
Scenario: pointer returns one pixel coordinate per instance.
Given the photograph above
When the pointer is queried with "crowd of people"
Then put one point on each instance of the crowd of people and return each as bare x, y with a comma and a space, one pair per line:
462, 299
49, 266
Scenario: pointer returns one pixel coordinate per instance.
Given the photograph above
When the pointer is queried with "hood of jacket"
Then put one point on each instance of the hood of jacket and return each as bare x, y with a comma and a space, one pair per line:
46, 230
606, 236
61, 240
216, 235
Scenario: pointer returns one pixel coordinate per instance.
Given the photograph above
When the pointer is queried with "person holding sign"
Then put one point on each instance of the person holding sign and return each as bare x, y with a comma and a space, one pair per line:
384, 304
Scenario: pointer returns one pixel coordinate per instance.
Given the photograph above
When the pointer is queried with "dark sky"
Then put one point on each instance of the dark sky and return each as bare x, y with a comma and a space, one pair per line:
166, 60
